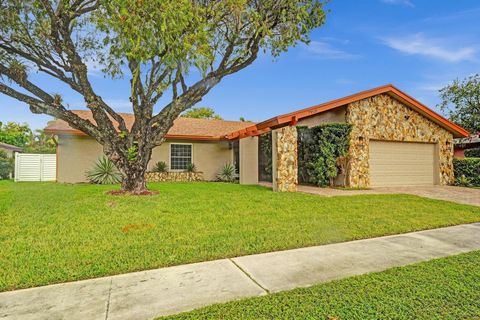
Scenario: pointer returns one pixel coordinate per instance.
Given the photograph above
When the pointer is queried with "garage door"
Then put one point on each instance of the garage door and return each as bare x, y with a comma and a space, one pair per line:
401, 163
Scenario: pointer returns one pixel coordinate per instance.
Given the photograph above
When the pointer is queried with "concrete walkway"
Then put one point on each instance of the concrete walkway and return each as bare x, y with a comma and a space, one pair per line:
147, 294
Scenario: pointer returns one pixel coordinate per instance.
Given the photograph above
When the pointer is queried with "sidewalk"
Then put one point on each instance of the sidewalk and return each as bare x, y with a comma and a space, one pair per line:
147, 294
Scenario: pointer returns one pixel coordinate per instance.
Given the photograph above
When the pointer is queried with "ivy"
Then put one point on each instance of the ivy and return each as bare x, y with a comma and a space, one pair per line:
132, 153
467, 172
322, 153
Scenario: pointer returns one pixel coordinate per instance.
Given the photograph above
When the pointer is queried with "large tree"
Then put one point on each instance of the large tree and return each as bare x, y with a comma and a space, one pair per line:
461, 102
202, 113
17, 134
172, 49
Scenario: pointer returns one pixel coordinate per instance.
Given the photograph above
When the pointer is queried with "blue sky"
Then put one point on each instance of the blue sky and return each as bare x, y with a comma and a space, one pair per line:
419, 46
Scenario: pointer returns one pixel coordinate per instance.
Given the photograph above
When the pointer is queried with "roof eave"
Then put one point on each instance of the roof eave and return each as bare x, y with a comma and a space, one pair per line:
168, 136
292, 117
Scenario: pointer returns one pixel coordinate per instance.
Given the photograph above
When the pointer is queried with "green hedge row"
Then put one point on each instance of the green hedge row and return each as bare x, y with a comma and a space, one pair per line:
467, 171
6, 165
472, 153
322, 153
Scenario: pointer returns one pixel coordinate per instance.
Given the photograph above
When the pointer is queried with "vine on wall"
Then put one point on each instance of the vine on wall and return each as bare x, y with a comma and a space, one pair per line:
322, 153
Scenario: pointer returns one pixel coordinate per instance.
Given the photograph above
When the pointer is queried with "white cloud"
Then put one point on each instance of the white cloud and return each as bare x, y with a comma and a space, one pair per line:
458, 15
93, 68
434, 87
419, 44
119, 104
324, 50
406, 3
345, 81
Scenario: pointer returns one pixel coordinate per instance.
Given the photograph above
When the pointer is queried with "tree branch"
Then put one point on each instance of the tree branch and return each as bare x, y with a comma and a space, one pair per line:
38, 106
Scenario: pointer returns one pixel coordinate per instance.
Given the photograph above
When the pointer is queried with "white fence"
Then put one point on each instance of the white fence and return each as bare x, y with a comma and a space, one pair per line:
35, 167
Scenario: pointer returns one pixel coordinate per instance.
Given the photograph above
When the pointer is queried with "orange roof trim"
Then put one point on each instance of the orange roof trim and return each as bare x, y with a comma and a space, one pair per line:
293, 117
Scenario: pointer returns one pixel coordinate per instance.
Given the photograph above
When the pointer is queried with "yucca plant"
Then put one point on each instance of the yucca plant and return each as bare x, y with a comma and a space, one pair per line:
227, 173
160, 166
191, 167
104, 172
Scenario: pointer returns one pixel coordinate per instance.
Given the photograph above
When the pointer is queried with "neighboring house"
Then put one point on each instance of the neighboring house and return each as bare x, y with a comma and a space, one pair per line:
463, 144
395, 140
10, 149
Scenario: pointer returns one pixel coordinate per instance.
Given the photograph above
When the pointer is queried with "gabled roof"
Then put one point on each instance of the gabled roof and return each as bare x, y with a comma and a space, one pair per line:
7, 146
292, 117
183, 128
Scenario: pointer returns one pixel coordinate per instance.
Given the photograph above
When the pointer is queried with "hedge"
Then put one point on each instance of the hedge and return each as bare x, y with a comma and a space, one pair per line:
6, 165
322, 152
467, 171
472, 153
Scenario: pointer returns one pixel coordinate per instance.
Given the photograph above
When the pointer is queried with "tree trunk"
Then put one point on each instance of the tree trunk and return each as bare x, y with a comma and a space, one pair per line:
134, 182
133, 171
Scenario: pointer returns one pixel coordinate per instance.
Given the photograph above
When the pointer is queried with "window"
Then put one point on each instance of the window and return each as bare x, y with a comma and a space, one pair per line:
180, 156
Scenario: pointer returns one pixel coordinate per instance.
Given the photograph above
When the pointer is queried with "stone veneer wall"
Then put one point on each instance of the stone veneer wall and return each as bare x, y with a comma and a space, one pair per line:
384, 118
173, 176
285, 153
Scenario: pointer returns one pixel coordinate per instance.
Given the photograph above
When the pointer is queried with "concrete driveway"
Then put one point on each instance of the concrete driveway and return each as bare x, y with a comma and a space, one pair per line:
449, 193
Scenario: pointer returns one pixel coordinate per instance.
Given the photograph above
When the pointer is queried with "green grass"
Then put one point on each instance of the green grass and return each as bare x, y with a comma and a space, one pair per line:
447, 288
53, 233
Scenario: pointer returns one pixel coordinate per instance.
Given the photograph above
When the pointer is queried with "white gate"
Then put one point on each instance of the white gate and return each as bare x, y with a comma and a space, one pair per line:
35, 167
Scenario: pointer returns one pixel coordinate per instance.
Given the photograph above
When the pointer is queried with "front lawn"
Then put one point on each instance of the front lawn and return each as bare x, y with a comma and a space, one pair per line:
447, 288
53, 233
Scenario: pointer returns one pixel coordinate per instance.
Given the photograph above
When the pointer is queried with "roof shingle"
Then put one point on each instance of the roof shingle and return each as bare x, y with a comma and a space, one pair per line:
189, 128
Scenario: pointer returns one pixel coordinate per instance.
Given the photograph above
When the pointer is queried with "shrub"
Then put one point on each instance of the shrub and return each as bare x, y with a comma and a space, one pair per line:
6, 165
472, 153
322, 153
463, 181
160, 166
104, 172
467, 170
191, 167
227, 173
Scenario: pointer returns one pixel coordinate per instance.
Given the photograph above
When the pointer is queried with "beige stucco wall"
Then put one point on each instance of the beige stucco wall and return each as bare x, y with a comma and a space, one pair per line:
337, 115
384, 118
76, 155
208, 157
248, 160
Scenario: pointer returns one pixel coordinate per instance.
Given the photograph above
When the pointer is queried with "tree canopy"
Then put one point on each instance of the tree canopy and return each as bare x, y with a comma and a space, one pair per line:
20, 135
174, 50
202, 113
16, 134
461, 102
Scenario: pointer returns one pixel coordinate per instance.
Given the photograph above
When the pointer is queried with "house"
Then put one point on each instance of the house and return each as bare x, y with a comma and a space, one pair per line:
395, 140
462, 144
198, 141
10, 149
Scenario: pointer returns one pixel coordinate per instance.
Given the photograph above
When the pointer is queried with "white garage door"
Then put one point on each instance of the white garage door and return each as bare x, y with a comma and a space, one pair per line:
401, 163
